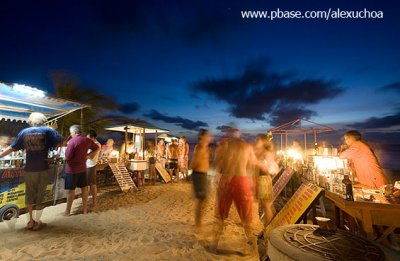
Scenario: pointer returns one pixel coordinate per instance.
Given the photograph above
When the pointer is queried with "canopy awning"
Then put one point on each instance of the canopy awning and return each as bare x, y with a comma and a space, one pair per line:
301, 126
17, 102
135, 126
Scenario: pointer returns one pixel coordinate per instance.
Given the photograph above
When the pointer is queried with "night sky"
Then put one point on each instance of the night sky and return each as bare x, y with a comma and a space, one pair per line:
184, 65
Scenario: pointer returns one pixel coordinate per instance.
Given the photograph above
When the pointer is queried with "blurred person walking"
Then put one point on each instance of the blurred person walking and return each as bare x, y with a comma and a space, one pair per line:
233, 157
200, 164
264, 151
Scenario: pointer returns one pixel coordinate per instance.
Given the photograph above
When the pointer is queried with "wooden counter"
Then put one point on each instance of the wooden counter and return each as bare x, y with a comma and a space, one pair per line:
369, 213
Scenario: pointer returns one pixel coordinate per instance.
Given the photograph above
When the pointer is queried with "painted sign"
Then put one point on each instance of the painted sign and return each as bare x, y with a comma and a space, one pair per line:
295, 207
281, 182
163, 173
122, 176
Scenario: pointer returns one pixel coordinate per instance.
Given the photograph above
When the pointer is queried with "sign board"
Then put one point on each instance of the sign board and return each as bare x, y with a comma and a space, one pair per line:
122, 176
163, 173
295, 207
281, 182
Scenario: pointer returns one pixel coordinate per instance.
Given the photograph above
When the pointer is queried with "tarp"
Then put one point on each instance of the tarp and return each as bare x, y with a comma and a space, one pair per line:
134, 126
17, 102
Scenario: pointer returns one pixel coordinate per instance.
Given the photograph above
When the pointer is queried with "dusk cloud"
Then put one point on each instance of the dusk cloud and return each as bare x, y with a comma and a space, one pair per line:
179, 121
287, 113
258, 91
379, 122
391, 87
130, 107
224, 128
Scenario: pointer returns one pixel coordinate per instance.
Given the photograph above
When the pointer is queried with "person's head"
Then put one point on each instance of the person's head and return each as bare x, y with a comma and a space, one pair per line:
352, 136
91, 134
75, 130
262, 141
234, 133
205, 136
174, 141
110, 142
182, 139
161, 142
296, 142
37, 119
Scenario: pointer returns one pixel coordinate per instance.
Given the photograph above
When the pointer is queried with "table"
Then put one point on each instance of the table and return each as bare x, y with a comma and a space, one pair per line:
369, 213
307, 242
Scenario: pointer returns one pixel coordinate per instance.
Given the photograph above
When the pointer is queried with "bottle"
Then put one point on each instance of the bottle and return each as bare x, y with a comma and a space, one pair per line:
316, 148
348, 188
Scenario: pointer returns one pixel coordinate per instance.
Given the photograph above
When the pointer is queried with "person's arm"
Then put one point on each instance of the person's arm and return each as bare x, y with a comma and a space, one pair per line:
194, 162
349, 153
187, 150
69, 151
6, 152
94, 149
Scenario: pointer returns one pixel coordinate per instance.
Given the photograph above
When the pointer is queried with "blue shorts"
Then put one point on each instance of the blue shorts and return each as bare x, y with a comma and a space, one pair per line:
75, 180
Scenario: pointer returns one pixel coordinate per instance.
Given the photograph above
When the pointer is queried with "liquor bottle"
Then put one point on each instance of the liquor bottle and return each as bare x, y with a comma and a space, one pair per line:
316, 148
348, 188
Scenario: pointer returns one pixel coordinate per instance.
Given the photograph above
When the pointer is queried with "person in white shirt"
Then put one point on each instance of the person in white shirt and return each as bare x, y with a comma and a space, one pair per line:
91, 167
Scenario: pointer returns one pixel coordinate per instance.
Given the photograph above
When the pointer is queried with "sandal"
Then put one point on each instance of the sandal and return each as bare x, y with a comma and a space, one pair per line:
30, 224
38, 225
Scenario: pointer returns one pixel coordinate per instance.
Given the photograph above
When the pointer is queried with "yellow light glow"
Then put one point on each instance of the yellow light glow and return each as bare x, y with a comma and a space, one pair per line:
114, 154
295, 155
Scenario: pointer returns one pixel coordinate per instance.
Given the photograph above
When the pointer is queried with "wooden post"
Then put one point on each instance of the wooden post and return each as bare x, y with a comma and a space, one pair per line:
126, 141
305, 143
286, 140
144, 131
82, 119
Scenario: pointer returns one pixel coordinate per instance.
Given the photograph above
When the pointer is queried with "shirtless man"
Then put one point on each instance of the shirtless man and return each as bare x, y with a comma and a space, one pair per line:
200, 164
233, 156
184, 156
172, 158
161, 152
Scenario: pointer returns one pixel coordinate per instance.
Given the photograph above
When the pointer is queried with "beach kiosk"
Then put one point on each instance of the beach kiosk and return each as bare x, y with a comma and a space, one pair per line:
17, 102
138, 129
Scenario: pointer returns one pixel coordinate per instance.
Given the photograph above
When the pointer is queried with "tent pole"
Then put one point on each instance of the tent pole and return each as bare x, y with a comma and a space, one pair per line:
144, 131
82, 118
126, 141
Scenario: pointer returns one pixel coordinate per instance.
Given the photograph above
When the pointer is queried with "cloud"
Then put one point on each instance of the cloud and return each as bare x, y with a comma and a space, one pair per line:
130, 107
391, 87
224, 128
287, 113
379, 122
258, 91
191, 22
179, 121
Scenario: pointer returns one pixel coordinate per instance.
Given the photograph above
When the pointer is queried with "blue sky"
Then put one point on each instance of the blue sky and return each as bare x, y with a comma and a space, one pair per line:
178, 60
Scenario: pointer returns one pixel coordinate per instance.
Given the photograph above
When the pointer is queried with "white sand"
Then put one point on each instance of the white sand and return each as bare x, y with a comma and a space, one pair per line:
154, 224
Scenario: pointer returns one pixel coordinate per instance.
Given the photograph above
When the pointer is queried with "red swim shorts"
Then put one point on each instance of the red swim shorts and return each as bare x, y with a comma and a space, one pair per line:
238, 190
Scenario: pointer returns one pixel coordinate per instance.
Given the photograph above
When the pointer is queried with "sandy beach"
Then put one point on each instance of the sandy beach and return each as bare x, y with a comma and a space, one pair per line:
153, 224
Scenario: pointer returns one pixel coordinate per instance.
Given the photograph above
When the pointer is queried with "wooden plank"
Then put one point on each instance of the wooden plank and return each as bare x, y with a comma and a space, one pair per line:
163, 173
122, 176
